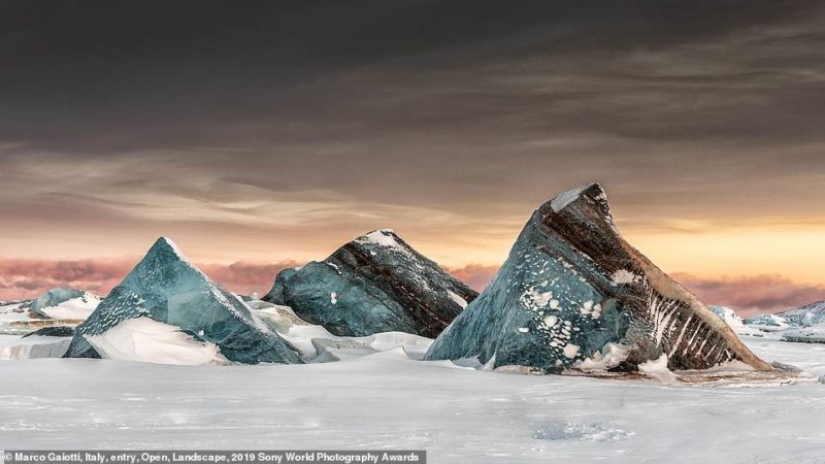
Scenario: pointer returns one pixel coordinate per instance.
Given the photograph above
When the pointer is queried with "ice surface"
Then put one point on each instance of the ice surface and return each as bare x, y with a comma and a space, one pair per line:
16, 348
165, 287
807, 334
386, 400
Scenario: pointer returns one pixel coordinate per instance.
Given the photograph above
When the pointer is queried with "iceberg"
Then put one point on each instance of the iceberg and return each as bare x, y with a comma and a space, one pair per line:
376, 283
734, 321
166, 288
766, 322
574, 293
805, 316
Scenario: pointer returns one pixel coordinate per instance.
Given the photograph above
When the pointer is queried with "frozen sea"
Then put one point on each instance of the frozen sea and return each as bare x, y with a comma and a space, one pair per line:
389, 401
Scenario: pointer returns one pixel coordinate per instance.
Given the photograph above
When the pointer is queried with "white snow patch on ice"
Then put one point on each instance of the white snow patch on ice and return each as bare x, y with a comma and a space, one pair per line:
457, 299
571, 351
146, 340
563, 199
623, 276
317, 344
610, 356
384, 238
657, 369
75, 309
534, 299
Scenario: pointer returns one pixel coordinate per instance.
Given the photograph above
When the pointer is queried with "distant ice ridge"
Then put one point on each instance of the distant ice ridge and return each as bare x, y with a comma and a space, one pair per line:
803, 324
767, 322
734, 321
375, 283
65, 304
167, 289
805, 316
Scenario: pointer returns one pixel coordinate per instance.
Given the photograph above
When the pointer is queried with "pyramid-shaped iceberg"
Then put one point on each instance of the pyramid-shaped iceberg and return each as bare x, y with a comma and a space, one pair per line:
375, 283
165, 287
573, 294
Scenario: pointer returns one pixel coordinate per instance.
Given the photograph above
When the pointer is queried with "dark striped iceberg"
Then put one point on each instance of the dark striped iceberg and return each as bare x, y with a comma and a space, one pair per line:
574, 296
376, 283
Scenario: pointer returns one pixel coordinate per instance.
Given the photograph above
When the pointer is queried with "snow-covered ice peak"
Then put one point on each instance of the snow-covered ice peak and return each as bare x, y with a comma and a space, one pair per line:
564, 199
167, 288
380, 284
382, 237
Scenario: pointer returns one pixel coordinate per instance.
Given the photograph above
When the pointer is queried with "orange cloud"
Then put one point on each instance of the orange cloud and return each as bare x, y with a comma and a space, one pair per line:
30, 278
476, 276
749, 295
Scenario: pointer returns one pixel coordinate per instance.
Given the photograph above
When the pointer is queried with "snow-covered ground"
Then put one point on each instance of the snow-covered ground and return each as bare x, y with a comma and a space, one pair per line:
387, 400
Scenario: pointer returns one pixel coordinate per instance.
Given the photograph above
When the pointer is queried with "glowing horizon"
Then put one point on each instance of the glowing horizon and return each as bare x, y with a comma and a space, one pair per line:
289, 128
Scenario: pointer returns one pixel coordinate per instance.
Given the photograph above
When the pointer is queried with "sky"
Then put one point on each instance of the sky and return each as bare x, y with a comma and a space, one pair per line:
266, 135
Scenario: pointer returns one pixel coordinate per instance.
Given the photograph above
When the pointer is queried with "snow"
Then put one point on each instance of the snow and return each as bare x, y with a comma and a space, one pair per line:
610, 356
767, 322
316, 344
384, 238
387, 400
75, 309
16, 319
16, 348
458, 300
14, 312
808, 315
734, 321
657, 369
623, 276
146, 340
811, 334
571, 350
563, 199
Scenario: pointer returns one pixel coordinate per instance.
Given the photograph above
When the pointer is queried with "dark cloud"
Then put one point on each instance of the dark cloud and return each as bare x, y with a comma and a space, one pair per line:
293, 126
750, 295
103, 78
